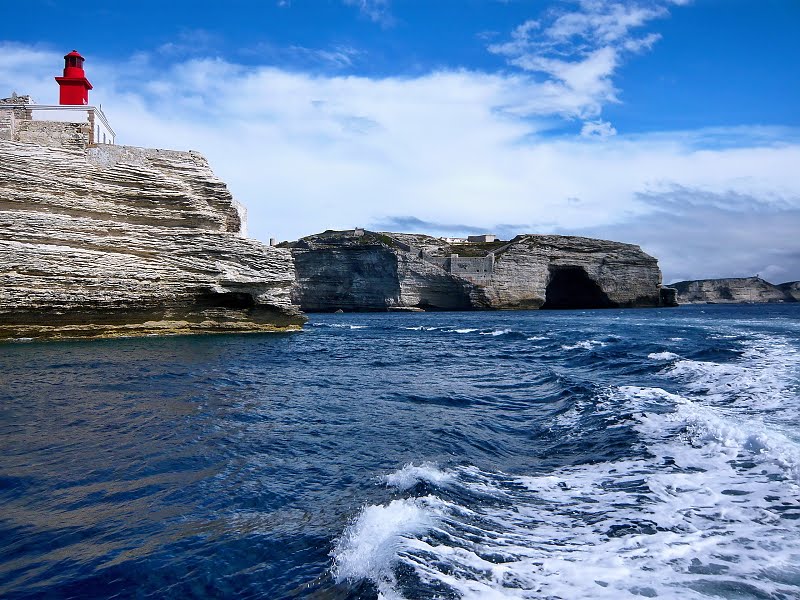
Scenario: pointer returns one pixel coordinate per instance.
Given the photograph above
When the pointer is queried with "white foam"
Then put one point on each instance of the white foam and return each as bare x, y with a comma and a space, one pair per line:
410, 475
421, 328
372, 544
465, 330
662, 356
339, 325
496, 332
537, 338
585, 345
764, 377
700, 513
719, 432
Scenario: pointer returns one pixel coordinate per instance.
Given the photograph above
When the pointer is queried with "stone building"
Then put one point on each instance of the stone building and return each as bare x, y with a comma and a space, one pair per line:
73, 123
483, 238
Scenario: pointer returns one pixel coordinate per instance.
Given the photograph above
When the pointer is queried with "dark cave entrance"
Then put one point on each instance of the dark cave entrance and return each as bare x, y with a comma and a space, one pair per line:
571, 287
231, 300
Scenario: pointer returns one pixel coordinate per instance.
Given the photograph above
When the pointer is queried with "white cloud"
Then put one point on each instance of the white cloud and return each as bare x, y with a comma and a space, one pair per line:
375, 10
699, 234
311, 152
578, 51
596, 129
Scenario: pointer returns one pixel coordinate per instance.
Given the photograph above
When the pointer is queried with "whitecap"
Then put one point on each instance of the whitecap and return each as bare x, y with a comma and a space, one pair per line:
338, 325
372, 544
585, 345
410, 475
764, 377
662, 356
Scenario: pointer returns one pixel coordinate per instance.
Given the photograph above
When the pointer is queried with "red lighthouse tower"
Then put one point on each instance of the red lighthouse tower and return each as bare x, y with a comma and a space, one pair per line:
73, 86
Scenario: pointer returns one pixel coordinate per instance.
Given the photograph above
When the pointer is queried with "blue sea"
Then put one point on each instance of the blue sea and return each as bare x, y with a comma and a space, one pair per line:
602, 454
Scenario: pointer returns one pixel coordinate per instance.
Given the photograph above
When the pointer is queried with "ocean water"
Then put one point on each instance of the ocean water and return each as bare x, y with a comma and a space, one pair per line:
576, 454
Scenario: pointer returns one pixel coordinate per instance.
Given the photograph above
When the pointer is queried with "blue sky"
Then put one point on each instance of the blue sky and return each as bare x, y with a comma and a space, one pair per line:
672, 124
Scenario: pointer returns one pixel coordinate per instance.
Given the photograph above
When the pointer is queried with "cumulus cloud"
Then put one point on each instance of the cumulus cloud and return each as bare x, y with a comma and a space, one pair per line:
456, 149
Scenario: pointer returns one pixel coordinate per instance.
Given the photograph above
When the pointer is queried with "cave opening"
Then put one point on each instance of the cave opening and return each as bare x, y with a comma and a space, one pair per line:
232, 300
571, 287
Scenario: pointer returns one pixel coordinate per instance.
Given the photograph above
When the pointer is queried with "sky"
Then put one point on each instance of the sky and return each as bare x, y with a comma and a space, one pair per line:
671, 124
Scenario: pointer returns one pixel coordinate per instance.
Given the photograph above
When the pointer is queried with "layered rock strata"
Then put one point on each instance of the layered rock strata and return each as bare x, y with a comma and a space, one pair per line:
118, 240
740, 290
362, 270
790, 288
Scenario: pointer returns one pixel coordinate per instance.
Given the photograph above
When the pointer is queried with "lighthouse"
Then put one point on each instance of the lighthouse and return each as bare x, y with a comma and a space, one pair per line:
72, 123
73, 86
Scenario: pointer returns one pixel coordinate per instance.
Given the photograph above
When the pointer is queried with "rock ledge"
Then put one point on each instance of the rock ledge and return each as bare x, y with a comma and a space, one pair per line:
119, 240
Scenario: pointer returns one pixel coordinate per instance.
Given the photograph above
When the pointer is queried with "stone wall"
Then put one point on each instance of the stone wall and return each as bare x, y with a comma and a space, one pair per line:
477, 269
53, 134
69, 127
10, 116
6, 125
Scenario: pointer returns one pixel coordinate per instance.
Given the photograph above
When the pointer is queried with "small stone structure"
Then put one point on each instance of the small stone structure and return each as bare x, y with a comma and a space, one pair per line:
486, 237
477, 269
56, 126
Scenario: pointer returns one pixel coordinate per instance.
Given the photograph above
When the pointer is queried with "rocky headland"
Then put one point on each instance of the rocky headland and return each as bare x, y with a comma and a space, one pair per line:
362, 270
738, 290
790, 288
116, 240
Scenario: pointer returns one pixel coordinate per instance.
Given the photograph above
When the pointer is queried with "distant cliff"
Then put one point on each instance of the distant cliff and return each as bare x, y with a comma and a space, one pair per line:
741, 290
118, 240
791, 288
363, 270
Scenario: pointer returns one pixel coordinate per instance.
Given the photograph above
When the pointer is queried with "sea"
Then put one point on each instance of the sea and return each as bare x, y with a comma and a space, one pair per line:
607, 454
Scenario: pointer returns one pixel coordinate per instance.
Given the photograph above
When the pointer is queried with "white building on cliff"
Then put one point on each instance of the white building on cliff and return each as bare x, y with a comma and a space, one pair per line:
72, 123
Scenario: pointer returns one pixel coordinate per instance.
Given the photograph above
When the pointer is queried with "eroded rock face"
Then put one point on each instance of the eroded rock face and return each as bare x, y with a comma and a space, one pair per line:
551, 271
791, 288
130, 241
359, 270
741, 290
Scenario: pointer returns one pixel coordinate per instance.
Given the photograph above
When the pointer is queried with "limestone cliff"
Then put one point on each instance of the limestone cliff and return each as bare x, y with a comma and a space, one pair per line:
740, 290
118, 240
362, 270
790, 288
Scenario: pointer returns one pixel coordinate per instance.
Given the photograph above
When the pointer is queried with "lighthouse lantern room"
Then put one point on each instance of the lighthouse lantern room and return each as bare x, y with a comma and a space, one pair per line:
73, 86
